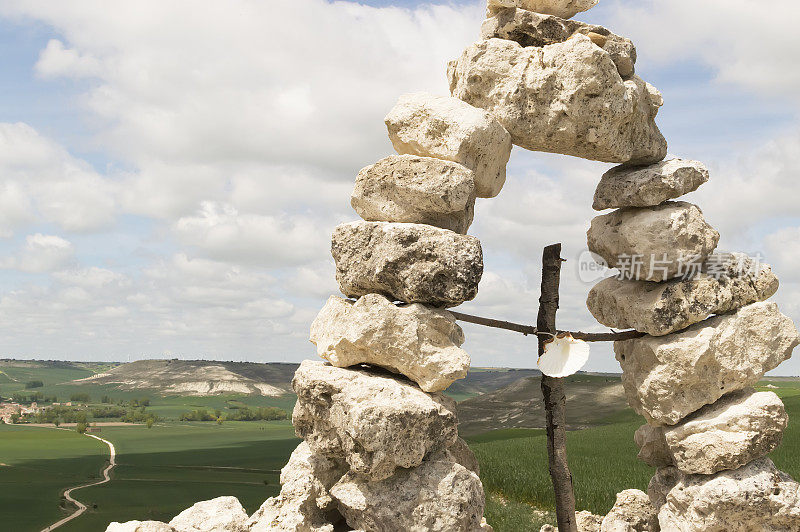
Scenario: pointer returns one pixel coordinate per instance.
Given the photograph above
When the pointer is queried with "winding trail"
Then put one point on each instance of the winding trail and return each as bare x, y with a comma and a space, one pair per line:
68, 494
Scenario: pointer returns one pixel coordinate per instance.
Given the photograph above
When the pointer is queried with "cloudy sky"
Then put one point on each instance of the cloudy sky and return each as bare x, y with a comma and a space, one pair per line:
171, 171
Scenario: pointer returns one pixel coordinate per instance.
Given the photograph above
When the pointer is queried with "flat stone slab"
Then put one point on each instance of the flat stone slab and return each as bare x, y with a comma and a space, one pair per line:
371, 420
666, 378
724, 283
420, 342
560, 8
754, 497
535, 29
438, 496
739, 428
414, 263
647, 186
412, 189
447, 128
566, 98
653, 243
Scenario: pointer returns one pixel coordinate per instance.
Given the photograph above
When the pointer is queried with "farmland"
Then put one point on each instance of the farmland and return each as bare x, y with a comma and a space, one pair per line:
166, 468
160, 470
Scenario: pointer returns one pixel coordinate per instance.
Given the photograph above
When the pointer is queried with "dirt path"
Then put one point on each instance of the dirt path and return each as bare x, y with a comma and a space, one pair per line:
68, 494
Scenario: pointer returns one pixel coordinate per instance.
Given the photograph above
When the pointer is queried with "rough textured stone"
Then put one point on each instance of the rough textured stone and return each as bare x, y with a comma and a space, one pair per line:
408, 188
420, 342
374, 422
653, 449
437, 496
563, 98
585, 521
632, 512
559, 8
661, 239
408, 262
139, 526
447, 128
625, 186
223, 514
661, 308
754, 497
460, 453
304, 504
739, 428
666, 378
535, 29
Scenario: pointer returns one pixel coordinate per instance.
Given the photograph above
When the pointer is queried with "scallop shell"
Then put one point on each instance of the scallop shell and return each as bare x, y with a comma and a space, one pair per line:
563, 356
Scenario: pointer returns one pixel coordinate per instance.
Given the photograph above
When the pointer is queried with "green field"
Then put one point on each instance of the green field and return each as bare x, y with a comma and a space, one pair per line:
160, 471
602, 459
165, 469
37, 465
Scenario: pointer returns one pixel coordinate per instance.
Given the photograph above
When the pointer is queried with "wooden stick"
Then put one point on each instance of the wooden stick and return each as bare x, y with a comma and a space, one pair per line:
528, 329
555, 400
488, 322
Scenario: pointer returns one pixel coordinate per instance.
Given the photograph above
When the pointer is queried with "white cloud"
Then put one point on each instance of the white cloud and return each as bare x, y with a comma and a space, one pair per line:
219, 231
783, 248
56, 60
41, 253
742, 41
40, 180
235, 81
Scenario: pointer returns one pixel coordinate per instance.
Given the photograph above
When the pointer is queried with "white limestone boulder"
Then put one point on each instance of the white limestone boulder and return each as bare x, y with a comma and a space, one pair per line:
559, 8
414, 263
647, 186
585, 521
632, 512
304, 503
223, 514
739, 428
447, 128
437, 496
422, 343
412, 189
666, 378
563, 98
662, 308
139, 526
653, 243
369, 419
754, 497
535, 29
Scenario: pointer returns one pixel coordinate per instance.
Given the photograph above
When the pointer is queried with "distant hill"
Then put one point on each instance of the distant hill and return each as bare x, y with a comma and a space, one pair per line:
199, 377
482, 380
590, 399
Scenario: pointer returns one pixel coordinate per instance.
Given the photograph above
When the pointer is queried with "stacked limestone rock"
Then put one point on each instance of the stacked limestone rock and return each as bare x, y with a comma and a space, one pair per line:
567, 87
381, 450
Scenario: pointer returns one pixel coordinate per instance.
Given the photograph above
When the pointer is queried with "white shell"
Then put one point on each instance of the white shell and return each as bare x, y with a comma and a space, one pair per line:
563, 357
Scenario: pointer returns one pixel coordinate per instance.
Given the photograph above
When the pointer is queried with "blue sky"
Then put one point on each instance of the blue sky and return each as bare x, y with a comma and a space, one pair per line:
169, 176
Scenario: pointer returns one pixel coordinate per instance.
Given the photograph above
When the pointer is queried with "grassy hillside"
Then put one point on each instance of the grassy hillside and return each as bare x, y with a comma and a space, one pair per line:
592, 398
199, 377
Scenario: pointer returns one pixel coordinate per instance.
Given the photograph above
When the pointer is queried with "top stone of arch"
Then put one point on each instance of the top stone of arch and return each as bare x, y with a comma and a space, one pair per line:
559, 8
